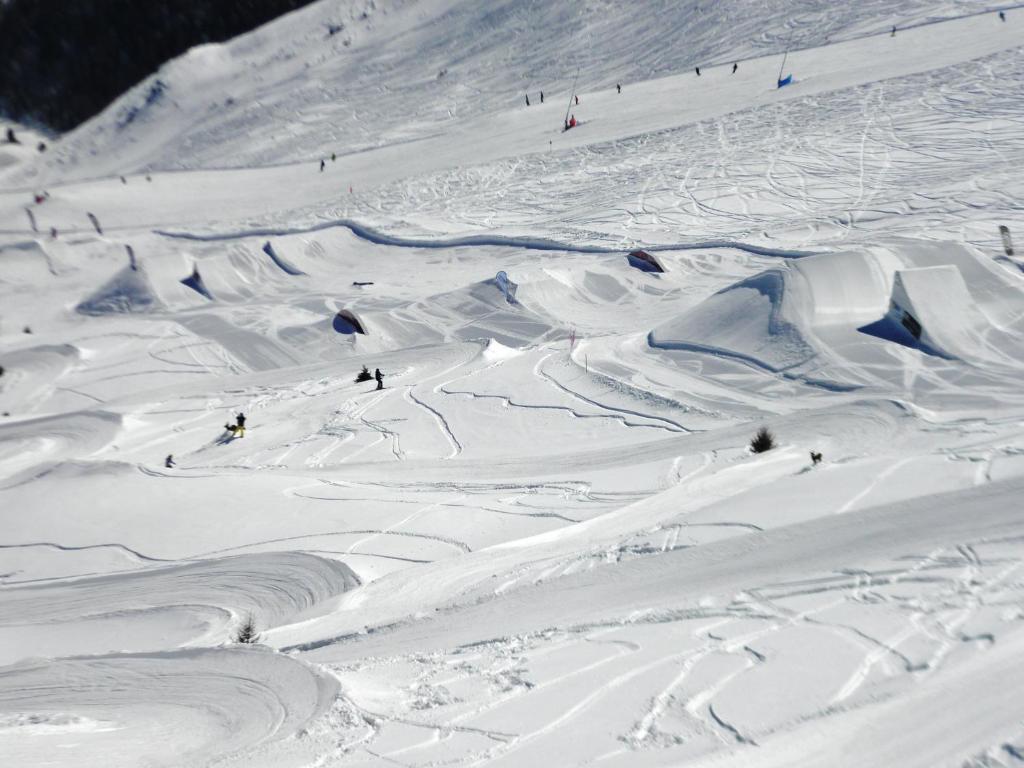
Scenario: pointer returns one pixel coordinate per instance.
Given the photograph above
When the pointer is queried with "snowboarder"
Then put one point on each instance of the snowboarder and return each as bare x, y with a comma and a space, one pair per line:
379, 377
735, 66
321, 166
169, 461
240, 425
542, 97
527, 99
618, 88
698, 71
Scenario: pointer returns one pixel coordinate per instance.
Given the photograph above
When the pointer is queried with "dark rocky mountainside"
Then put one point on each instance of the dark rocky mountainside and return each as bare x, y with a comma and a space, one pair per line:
63, 62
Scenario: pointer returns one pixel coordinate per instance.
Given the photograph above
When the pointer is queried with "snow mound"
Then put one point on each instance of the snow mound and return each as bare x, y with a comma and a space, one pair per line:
151, 609
749, 321
218, 703
129, 291
25, 263
495, 351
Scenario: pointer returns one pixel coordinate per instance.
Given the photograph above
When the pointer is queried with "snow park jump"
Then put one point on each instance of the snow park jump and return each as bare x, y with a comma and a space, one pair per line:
372, 420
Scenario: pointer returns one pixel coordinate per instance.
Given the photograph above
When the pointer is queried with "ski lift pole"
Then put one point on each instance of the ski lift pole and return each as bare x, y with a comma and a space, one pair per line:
782, 66
572, 95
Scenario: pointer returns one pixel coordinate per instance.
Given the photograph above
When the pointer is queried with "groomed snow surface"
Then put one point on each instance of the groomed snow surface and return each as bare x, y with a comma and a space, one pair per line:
544, 542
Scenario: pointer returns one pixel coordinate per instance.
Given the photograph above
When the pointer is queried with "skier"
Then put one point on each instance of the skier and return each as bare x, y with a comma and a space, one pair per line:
240, 424
542, 97
333, 157
527, 99
735, 66
379, 377
321, 166
572, 121
893, 31
698, 71
12, 139
169, 461
577, 101
1002, 16
53, 232
618, 87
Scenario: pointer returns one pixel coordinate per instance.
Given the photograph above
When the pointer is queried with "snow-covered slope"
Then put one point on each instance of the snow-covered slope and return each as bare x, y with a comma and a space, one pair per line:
544, 541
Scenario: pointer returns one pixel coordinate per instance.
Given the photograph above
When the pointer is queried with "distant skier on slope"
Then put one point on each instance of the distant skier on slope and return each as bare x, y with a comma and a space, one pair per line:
240, 424
618, 87
698, 71
572, 121
379, 377
735, 66
1002, 16
527, 99
542, 97
321, 166
169, 461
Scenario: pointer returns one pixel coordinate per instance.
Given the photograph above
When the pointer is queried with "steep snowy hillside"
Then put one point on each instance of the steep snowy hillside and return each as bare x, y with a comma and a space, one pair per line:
542, 538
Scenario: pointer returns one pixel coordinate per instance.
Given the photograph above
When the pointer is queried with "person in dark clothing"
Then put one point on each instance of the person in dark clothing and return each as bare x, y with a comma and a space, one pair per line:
240, 425
12, 139
618, 88
698, 71
333, 157
542, 97
379, 377
321, 166
1002, 16
527, 99
577, 101
893, 31
169, 461
735, 66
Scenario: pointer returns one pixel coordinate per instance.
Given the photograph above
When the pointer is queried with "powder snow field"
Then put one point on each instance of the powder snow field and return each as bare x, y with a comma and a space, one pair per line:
544, 542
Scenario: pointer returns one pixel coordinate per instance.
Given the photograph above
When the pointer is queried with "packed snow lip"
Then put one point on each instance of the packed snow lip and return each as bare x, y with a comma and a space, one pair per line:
415, 383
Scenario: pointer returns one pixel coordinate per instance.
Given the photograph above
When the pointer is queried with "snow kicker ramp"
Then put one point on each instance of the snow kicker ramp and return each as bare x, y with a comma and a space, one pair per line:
129, 291
750, 321
968, 307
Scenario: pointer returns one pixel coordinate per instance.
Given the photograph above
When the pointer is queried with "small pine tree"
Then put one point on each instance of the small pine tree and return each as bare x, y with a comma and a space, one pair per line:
364, 375
763, 441
247, 632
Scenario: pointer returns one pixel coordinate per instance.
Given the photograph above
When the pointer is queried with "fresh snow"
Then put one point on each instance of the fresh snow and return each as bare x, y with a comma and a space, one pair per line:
544, 541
